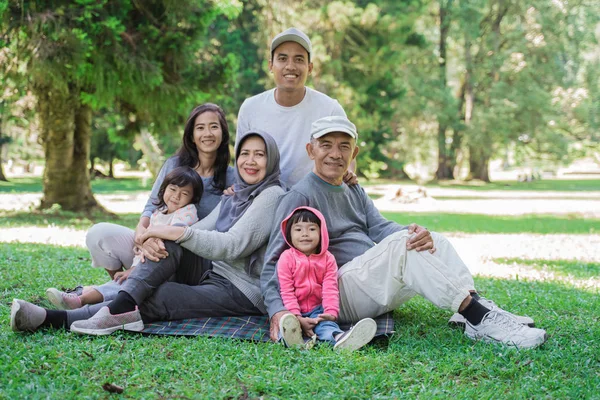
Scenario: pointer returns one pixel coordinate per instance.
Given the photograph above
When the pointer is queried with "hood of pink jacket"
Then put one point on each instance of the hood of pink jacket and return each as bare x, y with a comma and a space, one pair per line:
324, 234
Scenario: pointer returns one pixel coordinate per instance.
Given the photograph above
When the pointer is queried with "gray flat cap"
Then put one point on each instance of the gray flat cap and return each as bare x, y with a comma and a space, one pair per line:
330, 124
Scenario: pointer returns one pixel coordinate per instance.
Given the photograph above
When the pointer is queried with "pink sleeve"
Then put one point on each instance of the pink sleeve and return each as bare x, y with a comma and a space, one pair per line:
331, 293
286, 282
185, 216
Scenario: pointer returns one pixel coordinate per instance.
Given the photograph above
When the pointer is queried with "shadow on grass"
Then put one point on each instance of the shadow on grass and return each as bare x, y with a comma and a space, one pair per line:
577, 269
478, 223
13, 219
99, 186
424, 358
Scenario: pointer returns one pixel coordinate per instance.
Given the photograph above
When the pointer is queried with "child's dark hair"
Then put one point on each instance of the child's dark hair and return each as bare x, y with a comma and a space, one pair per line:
181, 176
302, 215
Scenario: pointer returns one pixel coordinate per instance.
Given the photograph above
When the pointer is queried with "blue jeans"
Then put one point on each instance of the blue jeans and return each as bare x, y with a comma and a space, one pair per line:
325, 330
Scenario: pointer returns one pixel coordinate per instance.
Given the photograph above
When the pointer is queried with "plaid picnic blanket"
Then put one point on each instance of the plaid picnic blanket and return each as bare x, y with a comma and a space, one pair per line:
254, 328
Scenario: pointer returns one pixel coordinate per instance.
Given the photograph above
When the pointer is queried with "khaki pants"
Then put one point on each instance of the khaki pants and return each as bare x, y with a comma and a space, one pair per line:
111, 246
388, 275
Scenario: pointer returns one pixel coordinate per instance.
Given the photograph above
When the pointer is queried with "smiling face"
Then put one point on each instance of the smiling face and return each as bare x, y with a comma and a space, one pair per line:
332, 155
208, 133
252, 160
306, 237
290, 66
176, 197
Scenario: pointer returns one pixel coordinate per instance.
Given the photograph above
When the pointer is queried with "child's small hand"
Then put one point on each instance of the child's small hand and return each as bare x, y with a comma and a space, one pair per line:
326, 317
307, 325
122, 276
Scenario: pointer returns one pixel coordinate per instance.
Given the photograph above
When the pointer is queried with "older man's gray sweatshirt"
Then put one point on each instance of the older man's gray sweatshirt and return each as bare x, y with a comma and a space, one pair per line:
353, 222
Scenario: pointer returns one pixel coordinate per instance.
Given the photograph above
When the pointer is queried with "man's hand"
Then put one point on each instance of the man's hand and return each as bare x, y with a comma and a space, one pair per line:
274, 331
308, 325
122, 276
421, 241
350, 178
154, 249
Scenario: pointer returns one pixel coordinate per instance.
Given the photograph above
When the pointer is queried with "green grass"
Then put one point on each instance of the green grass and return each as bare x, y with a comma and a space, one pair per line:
12, 219
574, 268
423, 359
560, 185
99, 186
476, 223
466, 223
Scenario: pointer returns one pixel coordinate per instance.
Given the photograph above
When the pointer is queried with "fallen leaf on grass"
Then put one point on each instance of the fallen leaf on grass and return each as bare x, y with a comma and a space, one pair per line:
111, 388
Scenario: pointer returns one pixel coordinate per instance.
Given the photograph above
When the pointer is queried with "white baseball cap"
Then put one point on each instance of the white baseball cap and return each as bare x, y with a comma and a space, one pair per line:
330, 124
292, 35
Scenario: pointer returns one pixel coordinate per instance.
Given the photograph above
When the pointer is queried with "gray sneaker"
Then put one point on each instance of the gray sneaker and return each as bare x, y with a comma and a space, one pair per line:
104, 323
358, 336
501, 327
290, 331
459, 321
26, 317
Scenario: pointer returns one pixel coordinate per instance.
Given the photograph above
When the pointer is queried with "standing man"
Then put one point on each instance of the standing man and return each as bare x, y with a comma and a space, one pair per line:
382, 264
287, 111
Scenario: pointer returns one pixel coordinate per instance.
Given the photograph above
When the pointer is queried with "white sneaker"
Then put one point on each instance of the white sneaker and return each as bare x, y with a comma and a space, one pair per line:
500, 326
458, 320
63, 300
358, 336
290, 331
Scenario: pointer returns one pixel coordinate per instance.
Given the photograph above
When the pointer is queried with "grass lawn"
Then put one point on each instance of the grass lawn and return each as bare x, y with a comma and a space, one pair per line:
559, 185
467, 223
99, 186
477, 223
423, 358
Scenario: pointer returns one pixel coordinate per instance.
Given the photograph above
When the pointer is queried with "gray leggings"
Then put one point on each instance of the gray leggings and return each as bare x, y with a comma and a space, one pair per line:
196, 292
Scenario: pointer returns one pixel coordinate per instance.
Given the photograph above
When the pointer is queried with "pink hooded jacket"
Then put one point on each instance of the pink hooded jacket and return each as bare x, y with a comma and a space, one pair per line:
308, 281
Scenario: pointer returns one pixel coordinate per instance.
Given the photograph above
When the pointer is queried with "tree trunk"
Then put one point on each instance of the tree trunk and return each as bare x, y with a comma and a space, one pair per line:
152, 152
479, 160
111, 173
66, 133
2, 176
444, 170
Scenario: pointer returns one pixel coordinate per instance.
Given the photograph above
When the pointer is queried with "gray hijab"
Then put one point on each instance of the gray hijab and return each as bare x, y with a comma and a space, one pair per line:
233, 207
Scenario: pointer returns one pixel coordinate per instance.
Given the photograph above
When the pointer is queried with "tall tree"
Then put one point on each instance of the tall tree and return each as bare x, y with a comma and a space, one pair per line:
85, 54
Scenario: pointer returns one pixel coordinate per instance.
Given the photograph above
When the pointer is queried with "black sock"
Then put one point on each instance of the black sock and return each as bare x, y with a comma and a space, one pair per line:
122, 303
474, 312
475, 295
56, 319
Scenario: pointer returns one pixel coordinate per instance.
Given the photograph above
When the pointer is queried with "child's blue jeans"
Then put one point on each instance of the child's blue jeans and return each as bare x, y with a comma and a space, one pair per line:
325, 330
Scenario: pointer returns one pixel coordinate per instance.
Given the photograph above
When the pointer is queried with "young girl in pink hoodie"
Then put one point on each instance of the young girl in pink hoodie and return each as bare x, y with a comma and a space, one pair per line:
307, 275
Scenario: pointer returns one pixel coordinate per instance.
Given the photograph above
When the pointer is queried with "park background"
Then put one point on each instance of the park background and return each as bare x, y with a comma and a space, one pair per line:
477, 118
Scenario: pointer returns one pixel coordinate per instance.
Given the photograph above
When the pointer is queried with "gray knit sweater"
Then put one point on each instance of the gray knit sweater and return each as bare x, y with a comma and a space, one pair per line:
235, 247
353, 222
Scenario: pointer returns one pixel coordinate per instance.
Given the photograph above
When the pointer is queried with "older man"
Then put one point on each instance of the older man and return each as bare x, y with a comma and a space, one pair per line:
382, 264
287, 111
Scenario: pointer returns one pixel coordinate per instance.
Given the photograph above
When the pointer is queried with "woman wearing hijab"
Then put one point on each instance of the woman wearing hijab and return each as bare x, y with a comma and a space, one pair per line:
235, 233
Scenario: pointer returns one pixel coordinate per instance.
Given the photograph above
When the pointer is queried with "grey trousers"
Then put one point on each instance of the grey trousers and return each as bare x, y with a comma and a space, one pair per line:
196, 292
